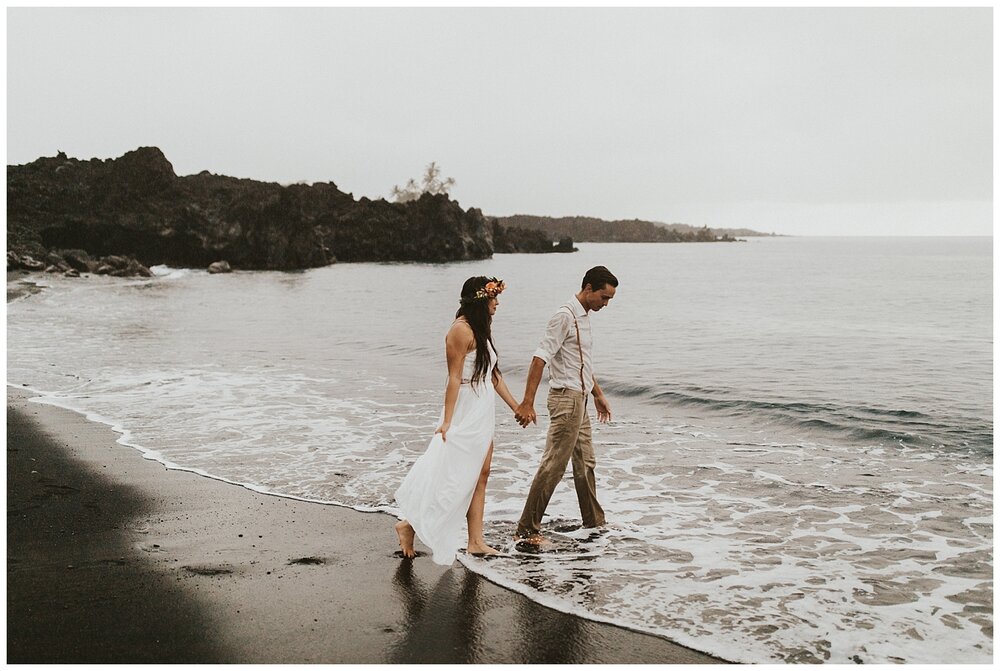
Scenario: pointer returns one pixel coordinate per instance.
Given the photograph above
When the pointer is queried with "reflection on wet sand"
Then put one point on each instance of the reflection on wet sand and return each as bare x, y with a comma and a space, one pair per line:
457, 617
448, 615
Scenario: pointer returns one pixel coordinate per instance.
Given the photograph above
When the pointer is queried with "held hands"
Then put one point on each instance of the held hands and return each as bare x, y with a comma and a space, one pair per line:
525, 414
603, 409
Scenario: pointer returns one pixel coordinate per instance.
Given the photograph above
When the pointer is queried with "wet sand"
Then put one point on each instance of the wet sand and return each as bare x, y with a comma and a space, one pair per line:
113, 558
21, 283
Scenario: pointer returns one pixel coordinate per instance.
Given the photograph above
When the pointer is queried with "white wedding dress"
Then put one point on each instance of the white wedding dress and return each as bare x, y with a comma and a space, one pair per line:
436, 493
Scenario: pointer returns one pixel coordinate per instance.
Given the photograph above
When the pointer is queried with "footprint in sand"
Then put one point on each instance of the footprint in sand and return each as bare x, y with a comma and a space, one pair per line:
308, 561
208, 570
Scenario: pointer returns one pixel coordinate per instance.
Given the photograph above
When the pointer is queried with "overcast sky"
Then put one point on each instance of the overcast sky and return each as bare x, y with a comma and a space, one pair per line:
799, 121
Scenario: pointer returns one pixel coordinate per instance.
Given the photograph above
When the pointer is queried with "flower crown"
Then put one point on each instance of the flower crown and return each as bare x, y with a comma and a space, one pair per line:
493, 288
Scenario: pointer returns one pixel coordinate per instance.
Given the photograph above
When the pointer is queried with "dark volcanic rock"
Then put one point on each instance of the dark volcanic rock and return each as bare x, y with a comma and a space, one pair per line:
17, 261
72, 262
516, 240
565, 245
134, 268
431, 228
136, 206
79, 260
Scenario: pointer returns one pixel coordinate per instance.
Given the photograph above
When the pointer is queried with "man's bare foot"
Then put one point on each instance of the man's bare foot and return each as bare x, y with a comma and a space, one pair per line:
406, 535
537, 540
481, 549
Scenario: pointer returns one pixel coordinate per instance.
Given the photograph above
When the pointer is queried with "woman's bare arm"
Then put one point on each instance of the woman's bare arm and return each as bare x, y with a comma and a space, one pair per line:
456, 345
502, 390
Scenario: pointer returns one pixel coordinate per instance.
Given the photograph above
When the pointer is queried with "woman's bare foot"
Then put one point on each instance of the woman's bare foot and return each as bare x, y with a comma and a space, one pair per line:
481, 549
406, 534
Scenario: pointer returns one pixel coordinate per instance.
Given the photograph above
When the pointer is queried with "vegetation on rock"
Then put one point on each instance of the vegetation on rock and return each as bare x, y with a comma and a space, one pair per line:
430, 183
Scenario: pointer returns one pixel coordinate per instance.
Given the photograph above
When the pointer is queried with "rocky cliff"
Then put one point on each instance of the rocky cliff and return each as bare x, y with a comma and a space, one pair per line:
137, 206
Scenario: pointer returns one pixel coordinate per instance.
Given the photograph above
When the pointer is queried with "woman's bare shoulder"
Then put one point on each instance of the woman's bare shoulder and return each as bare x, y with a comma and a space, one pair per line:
460, 332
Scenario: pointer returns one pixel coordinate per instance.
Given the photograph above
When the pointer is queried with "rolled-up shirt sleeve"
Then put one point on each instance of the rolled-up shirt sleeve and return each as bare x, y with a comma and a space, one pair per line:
555, 336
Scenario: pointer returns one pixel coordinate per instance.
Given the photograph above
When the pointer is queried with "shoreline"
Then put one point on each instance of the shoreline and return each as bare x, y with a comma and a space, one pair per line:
112, 557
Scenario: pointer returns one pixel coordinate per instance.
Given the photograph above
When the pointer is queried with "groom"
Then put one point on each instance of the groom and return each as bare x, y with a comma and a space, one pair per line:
566, 349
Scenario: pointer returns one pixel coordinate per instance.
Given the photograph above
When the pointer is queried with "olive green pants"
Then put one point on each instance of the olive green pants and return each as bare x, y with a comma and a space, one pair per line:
569, 437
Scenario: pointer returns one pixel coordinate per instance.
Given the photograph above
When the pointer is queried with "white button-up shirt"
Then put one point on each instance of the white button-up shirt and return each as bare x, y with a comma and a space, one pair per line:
561, 352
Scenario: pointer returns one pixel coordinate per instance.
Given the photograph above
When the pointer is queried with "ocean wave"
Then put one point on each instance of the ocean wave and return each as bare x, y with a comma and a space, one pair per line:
864, 423
168, 273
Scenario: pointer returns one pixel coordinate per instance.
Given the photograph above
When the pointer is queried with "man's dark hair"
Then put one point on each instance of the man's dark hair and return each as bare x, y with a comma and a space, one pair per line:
597, 277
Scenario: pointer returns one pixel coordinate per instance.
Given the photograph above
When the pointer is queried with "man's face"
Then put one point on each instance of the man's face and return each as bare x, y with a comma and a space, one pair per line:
600, 298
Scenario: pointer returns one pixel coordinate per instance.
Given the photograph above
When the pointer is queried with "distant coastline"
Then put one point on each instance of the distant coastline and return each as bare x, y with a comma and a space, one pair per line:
592, 229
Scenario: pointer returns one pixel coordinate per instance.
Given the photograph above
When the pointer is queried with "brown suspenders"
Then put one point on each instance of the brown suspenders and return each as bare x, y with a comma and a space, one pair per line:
579, 345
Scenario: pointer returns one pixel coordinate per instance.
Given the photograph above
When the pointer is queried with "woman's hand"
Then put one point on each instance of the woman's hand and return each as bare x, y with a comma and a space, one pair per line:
525, 413
443, 430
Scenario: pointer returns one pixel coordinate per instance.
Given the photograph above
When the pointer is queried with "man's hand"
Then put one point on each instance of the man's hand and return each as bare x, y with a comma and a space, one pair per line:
525, 414
603, 408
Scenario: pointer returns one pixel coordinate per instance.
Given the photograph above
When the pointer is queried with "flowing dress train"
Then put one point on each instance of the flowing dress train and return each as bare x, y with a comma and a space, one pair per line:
435, 495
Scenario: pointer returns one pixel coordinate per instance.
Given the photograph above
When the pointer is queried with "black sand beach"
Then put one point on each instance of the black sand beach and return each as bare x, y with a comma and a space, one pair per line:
113, 558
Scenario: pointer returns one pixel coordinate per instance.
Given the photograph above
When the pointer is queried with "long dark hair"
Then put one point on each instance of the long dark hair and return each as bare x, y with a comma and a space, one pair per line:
477, 312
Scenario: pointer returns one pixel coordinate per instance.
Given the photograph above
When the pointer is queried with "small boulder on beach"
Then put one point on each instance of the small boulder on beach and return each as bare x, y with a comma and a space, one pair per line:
220, 267
22, 262
77, 259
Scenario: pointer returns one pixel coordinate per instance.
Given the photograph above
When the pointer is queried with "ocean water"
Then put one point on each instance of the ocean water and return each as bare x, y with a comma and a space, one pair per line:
799, 467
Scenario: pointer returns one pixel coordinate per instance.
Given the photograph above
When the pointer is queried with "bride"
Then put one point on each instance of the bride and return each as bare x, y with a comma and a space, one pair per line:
448, 481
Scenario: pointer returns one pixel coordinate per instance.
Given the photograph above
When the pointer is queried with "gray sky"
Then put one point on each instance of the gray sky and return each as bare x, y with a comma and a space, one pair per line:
799, 121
